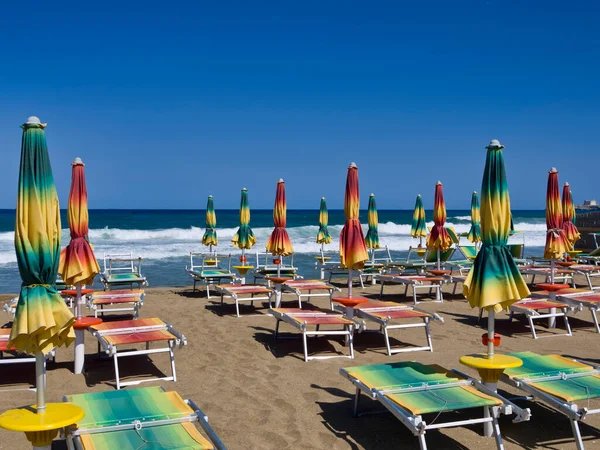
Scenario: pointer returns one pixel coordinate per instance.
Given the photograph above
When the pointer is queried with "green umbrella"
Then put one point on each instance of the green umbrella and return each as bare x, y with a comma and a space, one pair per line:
418, 228
323, 236
244, 237
372, 237
475, 231
210, 235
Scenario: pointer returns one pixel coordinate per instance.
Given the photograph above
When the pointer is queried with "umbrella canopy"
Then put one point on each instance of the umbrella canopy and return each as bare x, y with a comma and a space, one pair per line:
42, 319
353, 250
418, 228
279, 243
556, 241
475, 231
323, 236
78, 264
439, 238
568, 225
494, 280
372, 238
210, 235
244, 237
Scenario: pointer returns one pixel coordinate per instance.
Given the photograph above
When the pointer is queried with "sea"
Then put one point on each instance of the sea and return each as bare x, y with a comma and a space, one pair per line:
165, 238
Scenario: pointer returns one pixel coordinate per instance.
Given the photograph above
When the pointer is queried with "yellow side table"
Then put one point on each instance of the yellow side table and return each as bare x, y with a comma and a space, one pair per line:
41, 429
490, 370
243, 270
420, 252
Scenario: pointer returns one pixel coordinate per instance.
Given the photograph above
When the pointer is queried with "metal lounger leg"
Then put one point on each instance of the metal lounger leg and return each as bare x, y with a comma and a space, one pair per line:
497, 435
172, 356
428, 334
207, 290
356, 401
351, 340
116, 361
577, 434
387, 340
304, 341
530, 319
276, 328
567, 324
381, 290
593, 311
237, 307
422, 442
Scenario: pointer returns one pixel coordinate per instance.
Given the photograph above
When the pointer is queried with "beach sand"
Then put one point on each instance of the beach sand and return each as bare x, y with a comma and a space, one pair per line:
260, 394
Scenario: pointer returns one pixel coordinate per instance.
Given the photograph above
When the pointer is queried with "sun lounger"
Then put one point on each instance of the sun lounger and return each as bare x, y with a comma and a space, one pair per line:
392, 316
532, 308
592, 257
380, 258
122, 270
257, 292
411, 389
118, 301
589, 271
308, 289
339, 271
416, 282
302, 319
213, 269
560, 383
580, 298
560, 275
141, 418
265, 267
114, 335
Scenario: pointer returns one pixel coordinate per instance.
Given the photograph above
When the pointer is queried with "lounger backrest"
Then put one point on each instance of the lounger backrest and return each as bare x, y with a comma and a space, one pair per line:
122, 263
431, 255
469, 251
516, 250
453, 235
381, 255
595, 252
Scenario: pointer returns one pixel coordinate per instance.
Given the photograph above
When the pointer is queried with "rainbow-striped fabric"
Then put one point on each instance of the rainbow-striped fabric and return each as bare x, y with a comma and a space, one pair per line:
556, 241
568, 225
439, 238
372, 238
210, 235
279, 243
244, 237
494, 280
418, 228
78, 264
475, 231
323, 236
353, 250
42, 319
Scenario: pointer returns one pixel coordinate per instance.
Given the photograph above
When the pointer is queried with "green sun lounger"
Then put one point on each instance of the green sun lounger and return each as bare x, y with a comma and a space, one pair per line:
142, 418
411, 389
559, 382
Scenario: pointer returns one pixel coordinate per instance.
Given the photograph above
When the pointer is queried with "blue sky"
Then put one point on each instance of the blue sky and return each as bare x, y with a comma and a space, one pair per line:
167, 102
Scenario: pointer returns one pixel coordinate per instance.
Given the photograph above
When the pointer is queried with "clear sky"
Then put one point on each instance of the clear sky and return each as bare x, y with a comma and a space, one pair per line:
167, 102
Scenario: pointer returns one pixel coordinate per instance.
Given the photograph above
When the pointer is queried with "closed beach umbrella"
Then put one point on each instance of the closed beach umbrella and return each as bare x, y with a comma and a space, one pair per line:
475, 231
353, 250
568, 225
372, 238
279, 243
439, 239
78, 265
323, 236
244, 237
556, 241
210, 234
42, 319
418, 228
494, 282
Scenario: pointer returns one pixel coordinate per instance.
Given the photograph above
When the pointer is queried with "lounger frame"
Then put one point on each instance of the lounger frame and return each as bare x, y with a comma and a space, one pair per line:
134, 307
130, 265
533, 314
197, 271
416, 282
302, 291
234, 292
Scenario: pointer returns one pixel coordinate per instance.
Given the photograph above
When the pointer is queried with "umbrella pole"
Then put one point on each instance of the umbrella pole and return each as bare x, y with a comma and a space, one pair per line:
438, 258
349, 282
490, 344
40, 382
322, 261
78, 301
279, 268
551, 271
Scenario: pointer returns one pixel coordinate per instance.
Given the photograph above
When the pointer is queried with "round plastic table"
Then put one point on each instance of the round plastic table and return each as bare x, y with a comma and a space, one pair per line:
73, 292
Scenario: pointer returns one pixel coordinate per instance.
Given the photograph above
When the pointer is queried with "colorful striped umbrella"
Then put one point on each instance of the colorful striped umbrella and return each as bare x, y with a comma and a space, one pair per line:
556, 241
475, 231
372, 238
42, 319
279, 243
210, 235
494, 281
353, 250
78, 265
568, 225
418, 228
244, 237
323, 236
439, 239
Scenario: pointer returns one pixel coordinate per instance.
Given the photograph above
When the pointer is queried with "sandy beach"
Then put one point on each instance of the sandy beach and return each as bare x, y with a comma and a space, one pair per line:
260, 394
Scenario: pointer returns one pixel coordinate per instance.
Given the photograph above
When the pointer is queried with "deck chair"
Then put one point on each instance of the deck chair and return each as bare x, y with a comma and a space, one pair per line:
140, 418
301, 319
326, 259
416, 282
380, 258
213, 269
518, 253
122, 270
257, 292
592, 257
113, 335
265, 268
309, 289
560, 383
410, 390
560, 275
117, 301
589, 271
338, 271
581, 298
8, 355
392, 316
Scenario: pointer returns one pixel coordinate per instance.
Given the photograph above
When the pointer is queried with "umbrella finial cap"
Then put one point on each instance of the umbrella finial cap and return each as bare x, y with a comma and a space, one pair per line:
371, 195
244, 189
553, 170
439, 183
280, 180
322, 198
352, 165
567, 183
210, 196
495, 144
33, 120
474, 192
77, 162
